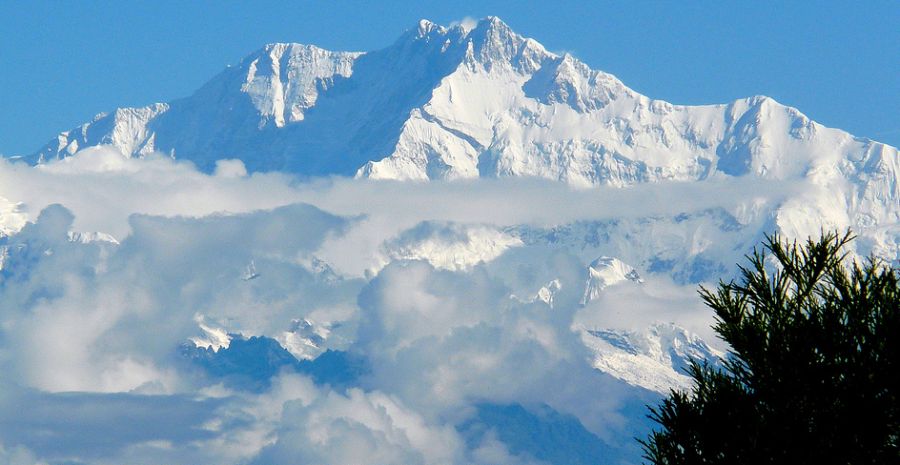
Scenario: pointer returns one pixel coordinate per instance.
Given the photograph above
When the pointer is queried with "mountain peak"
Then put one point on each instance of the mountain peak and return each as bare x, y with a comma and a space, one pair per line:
492, 28
426, 27
472, 99
493, 44
282, 47
493, 22
604, 272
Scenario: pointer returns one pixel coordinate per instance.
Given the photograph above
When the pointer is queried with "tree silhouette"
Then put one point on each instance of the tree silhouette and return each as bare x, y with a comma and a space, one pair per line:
812, 376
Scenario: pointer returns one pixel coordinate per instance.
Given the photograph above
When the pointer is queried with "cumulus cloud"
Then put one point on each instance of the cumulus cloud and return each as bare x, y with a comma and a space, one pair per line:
443, 341
447, 321
230, 169
359, 427
106, 317
103, 188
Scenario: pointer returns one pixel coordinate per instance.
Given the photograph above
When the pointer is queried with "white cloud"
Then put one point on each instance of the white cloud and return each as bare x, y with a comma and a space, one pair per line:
103, 189
467, 23
106, 317
230, 169
359, 427
440, 332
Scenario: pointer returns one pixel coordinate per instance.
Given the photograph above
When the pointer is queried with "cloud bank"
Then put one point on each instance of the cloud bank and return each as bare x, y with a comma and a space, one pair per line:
459, 303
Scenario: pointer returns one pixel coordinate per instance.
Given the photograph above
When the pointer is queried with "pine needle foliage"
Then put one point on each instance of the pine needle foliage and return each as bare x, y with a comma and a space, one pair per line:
813, 372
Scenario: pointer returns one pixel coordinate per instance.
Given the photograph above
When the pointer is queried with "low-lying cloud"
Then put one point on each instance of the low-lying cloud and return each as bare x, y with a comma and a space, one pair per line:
103, 189
442, 289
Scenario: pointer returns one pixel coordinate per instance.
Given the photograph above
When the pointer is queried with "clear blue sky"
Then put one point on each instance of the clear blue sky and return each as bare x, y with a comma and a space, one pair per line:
837, 61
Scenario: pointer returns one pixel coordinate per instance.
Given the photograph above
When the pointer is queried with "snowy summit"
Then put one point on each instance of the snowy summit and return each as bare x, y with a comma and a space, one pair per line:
463, 102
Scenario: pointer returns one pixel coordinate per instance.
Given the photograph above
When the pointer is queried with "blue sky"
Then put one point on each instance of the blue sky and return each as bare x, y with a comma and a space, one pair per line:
838, 62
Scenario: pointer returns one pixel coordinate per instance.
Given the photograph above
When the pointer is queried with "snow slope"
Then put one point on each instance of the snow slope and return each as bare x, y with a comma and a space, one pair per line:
656, 358
604, 272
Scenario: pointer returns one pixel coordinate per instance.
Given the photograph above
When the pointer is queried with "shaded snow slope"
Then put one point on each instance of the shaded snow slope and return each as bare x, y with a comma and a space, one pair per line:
655, 358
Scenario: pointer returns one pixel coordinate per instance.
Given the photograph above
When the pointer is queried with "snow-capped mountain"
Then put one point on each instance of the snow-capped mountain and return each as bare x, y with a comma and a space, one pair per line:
457, 102
403, 314
465, 102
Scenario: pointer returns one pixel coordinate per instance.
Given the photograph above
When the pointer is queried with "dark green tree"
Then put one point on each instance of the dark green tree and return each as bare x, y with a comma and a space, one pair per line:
813, 373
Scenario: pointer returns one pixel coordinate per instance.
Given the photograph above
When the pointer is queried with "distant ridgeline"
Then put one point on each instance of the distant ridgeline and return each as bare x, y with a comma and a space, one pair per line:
449, 103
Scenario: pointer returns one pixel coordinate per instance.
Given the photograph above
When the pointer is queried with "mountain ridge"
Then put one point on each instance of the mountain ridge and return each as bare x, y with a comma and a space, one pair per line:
462, 102
481, 101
